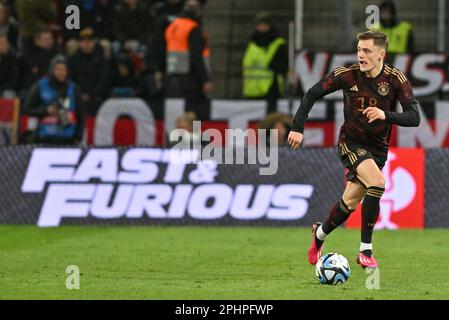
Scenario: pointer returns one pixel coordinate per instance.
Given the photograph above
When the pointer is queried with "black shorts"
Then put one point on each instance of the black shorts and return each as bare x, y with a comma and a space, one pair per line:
351, 154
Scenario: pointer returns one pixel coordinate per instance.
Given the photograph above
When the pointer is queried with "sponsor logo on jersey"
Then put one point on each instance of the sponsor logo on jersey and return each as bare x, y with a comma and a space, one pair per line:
361, 152
354, 88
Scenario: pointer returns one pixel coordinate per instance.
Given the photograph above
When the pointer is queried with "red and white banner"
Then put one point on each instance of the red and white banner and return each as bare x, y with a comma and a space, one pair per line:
402, 205
132, 122
9, 116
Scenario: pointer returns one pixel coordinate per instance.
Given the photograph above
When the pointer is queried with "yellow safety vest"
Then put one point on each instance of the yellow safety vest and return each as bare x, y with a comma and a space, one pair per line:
397, 37
257, 75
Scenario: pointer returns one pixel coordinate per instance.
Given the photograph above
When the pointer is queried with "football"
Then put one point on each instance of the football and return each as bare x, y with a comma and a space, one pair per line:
332, 268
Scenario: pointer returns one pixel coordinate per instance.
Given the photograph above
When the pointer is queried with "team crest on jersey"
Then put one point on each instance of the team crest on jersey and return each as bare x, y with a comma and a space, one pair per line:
361, 152
383, 88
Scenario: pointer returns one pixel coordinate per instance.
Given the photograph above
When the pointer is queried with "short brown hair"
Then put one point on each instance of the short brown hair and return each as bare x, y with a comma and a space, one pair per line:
380, 38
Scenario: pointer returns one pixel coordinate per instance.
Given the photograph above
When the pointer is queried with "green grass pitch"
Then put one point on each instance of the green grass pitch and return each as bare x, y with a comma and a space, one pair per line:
212, 263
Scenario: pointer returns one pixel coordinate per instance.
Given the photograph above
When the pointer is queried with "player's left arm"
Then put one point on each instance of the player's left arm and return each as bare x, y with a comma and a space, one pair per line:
410, 116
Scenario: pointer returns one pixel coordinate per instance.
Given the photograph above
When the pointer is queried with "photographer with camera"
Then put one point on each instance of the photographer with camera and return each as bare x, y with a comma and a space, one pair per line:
54, 100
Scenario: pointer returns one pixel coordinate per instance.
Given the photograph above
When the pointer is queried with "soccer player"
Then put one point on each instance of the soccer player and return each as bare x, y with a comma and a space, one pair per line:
371, 90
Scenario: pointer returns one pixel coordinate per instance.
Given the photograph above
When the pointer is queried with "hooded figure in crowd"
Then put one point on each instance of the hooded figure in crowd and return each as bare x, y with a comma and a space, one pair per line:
55, 101
265, 63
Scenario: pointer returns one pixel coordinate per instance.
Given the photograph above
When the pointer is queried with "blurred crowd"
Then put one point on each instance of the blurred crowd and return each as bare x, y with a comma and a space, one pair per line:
150, 49
120, 49
112, 54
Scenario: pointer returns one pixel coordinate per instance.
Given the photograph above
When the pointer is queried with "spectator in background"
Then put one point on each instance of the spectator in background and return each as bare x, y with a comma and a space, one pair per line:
11, 4
400, 33
9, 69
132, 24
34, 15
164, 13
95, 14
187, 60
54, 100
278, 121
265, 63
90, 69
164, 8
125, 82
189, 138
35, 61
8, 25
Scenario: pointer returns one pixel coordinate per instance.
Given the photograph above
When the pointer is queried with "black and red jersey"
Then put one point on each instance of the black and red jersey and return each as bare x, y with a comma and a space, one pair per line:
359, 93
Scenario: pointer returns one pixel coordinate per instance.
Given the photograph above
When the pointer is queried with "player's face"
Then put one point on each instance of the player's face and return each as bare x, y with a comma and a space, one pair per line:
369, 55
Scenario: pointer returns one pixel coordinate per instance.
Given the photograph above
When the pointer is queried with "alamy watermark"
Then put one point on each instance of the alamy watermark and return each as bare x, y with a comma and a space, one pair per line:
72, 22
373, 279
373, 20
73, 279
241, 146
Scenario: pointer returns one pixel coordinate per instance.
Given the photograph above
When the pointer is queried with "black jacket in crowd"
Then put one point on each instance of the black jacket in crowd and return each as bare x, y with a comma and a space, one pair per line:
130, 80
197, 43
132, 24
9, 71
34, 65
12, 32
91, 72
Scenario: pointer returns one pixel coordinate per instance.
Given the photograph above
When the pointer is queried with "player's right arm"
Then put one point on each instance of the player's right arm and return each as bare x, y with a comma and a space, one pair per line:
328, 84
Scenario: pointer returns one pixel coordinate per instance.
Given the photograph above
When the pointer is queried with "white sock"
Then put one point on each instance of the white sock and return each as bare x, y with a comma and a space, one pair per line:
366, 246
320, 233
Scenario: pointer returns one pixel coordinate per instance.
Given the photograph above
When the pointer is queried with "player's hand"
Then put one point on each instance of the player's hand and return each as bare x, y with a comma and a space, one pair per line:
373, 114
295, 139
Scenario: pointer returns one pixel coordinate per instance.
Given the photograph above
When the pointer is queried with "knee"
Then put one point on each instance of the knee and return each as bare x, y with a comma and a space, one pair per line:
350, 204
378, 182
